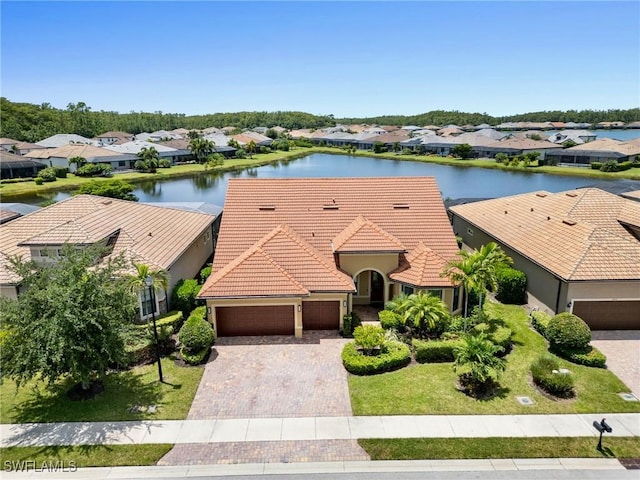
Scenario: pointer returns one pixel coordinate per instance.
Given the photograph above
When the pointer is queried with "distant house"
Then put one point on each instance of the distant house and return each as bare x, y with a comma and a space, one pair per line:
577, 136
113, 138
603, 150
60, 156
164, 238
295, 254
580, 250
134, 147
516, 146
62, 139
17, 166
18, 147
247, 137
610, 125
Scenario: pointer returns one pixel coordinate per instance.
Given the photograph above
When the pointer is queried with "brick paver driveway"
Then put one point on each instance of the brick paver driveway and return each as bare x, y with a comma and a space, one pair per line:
622, 348
274, 376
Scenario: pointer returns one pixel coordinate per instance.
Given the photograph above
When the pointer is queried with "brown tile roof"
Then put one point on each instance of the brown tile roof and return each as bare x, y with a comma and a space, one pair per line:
20, 145
70, 151
281, 263
146, 233
319, 210
608, 145
577, 235
523, 144
362, 235
421, 268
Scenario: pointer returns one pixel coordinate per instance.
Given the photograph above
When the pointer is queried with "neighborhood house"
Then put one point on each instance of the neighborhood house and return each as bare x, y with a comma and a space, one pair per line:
297, 254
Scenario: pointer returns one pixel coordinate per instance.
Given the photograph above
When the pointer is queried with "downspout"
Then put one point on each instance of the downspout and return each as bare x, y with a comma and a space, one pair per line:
558, 295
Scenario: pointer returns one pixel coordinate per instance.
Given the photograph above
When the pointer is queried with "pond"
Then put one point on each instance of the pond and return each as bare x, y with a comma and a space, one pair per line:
454, 182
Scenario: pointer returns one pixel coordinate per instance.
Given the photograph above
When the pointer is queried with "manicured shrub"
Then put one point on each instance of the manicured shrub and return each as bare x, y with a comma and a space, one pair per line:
435, 351
94, 170
61, 172
195, 358
568, 331
596, 165
588, 356
204, 273
609, 166
195, 336
164, 163
38, 181
392, 356
369, 338
546, 374
349, 323
184, 294
389, 319
512, 286
47, 174
540, 322
199, 313
167, 325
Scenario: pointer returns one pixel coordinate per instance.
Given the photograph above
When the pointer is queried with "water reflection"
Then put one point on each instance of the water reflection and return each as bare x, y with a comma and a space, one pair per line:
206, 181
152, 188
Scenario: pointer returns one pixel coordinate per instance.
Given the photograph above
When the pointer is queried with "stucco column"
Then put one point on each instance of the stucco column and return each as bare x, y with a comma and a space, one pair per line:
297, 308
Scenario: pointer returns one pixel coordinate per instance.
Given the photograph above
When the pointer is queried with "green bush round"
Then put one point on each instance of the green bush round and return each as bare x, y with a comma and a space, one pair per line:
568, 331
392, 356
512, 286
389, 319
195, 335
546, 375
184, 294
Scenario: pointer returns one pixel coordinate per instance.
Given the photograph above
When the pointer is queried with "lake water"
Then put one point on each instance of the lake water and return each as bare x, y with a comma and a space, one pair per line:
454, 182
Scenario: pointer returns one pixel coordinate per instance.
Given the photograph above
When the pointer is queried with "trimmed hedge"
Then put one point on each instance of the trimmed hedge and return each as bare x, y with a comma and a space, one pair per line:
392, 356
195, 358
540, 322
588, 356
501, 336
512, 286
568, 331
48, 174
557, 384
184, 294
435, 351
350, 322
389, 319
172, 319
195, 335
199, 313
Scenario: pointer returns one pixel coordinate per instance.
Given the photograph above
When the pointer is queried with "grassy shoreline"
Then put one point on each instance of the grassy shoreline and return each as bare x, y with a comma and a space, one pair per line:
16, 190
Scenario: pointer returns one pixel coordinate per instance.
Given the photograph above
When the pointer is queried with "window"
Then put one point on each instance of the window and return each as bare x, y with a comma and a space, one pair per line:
435, 293
407, 290
43, 252
469, 232
122, 163
456, 298
147, 305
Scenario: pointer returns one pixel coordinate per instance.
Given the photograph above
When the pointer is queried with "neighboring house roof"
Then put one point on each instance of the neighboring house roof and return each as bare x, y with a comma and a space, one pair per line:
11, 160
576, 235
522, 144
88, 152
200, 207
145, 233
607, 145
136, 146
64, 139
320, 215
19, 208
490, 133
9, 142
126, 135
448, 131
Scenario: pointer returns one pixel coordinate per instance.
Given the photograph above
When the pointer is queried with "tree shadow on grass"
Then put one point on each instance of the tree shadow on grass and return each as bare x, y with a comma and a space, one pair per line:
122, 391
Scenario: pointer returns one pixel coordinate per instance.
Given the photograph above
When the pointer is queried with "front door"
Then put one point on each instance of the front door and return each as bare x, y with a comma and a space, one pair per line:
377, 289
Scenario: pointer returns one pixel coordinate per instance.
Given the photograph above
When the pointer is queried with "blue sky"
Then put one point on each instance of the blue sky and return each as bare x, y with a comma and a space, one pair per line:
347, 59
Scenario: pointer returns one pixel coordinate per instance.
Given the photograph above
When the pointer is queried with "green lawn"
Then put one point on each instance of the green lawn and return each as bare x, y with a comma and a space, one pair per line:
533, 447
138, 386
85, 455
430, 388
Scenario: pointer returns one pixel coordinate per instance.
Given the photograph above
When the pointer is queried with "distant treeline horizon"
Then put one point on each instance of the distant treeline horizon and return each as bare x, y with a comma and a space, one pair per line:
31, 123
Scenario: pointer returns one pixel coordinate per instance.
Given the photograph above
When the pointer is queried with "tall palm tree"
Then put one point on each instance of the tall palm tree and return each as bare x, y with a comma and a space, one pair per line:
149, 159
488, 260
138, 282
427, 313
201, 148
461, 272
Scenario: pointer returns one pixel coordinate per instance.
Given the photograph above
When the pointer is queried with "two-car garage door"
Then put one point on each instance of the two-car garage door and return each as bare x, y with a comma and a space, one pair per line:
276, 319
609, 314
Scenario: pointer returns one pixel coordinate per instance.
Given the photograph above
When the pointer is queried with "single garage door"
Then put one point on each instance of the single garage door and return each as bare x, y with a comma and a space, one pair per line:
243, 321
609, 314
321, 315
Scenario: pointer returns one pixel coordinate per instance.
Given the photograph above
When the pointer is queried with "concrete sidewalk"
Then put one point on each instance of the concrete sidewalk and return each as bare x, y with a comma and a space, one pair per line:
584, 468
314, 428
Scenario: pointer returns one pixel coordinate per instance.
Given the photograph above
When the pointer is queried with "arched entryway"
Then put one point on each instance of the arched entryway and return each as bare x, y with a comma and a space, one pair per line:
371, 288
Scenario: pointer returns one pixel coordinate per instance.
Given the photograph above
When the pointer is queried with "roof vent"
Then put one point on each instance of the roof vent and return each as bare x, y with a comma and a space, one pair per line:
571, 194
267, 208
541, 195
401, 206
106, 202
330, 207
569, 222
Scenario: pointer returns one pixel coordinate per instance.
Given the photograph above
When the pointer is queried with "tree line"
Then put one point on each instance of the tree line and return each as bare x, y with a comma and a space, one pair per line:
31, 123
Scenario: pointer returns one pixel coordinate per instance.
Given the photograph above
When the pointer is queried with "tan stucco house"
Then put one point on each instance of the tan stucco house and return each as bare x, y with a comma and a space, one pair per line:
580, 250
175, 240
297, 254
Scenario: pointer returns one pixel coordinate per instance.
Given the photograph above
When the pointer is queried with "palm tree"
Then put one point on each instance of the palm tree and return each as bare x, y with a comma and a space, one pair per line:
488, 260
149, 159
138, 282
201, 148
461, 272
427, 313
476, 362
251, 148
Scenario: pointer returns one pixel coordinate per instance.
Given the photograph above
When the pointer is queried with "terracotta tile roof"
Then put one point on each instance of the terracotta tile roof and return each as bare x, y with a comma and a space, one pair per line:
422, 268
608, 145
146, 233
70, 151
523, 144
577, 235
362, 235
319, 210
281, 263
